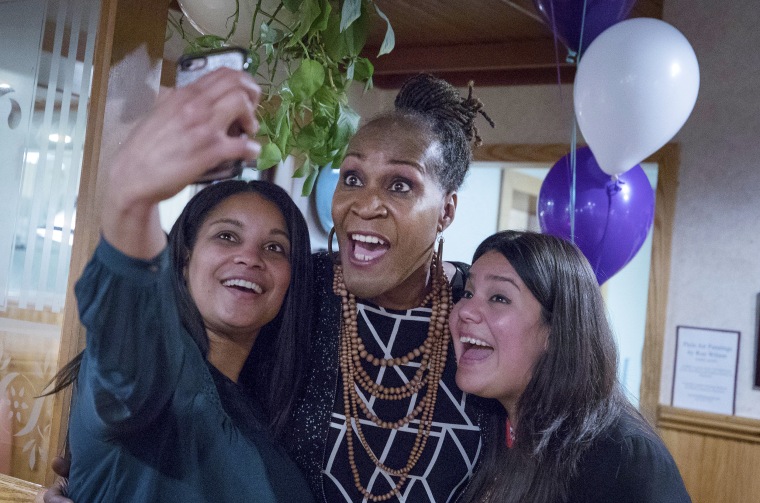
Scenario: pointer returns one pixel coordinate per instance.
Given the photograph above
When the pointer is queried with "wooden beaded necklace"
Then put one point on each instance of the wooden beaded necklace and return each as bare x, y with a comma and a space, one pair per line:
432, 354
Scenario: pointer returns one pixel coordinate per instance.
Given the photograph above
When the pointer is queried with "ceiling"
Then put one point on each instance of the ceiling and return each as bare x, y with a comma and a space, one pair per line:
493, 42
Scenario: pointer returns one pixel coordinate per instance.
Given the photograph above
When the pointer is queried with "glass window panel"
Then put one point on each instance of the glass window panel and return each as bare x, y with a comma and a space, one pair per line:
45, 75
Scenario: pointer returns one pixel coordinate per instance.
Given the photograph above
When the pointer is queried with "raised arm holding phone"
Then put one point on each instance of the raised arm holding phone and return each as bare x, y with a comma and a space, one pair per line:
171, 399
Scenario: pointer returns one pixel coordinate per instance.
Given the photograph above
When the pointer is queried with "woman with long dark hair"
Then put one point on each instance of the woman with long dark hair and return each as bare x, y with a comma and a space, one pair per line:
195, 349
531, 331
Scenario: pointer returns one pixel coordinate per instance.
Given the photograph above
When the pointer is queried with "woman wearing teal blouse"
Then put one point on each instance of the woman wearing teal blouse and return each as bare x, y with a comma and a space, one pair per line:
192, 356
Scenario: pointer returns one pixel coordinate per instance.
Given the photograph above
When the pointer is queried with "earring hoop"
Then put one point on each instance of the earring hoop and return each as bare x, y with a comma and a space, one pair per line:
335, 259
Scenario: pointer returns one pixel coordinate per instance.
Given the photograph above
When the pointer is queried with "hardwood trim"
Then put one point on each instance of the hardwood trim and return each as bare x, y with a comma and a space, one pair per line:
13, 490
718, 456
488, 64
548, 152
704, 423
668, 162
126, 73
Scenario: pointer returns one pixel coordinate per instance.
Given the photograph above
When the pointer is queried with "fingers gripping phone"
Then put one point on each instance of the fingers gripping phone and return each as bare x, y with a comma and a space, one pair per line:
190, 68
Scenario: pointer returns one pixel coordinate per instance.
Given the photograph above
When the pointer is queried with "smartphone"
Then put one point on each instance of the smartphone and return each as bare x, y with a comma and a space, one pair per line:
190, 68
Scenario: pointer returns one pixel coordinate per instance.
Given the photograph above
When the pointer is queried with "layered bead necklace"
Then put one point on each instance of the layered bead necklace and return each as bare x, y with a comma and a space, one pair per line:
432, 354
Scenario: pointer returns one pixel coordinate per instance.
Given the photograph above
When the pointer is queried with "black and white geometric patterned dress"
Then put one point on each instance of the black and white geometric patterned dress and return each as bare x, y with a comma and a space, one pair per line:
448, 460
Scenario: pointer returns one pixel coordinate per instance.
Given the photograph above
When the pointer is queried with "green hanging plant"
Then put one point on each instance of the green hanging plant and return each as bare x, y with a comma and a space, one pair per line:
306, 54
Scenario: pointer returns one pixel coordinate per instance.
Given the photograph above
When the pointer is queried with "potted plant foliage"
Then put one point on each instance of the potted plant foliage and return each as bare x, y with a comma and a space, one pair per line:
306, 54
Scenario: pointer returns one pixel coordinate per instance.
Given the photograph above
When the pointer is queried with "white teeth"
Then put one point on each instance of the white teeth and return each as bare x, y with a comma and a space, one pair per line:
367, 239
243, 284
363, 258
476, 342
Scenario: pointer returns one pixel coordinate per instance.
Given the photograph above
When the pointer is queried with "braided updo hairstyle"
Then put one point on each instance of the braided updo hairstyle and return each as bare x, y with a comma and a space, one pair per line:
449, 118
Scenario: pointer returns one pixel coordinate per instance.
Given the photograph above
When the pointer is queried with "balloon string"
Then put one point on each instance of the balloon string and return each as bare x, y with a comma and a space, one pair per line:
613, 187
556, 49
573, 142
583, 24
574, 137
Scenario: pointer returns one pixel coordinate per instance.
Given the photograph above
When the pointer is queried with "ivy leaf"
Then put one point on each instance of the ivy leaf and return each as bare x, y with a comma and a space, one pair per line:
356, 36
292, 5
308, 12
389, 42
270, 34
302, 170
270, 155
209, 42
283, 137
263, 127
255, 63
345, 126
310, 138
320, 24
306, 79
363, 69
352, 10
308, 185
334, 41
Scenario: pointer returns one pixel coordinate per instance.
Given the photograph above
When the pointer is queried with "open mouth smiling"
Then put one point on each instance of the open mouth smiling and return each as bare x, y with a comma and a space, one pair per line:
243, 285
367, 247
474, 349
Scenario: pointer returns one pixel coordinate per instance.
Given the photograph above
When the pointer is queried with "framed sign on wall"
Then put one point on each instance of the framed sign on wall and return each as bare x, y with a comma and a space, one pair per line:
706, 369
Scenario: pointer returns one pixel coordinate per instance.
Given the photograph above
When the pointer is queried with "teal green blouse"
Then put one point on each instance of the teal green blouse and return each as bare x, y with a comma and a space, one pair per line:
147, 423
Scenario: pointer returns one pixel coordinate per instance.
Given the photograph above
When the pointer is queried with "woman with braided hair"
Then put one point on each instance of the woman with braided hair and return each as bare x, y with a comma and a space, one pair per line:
381, 418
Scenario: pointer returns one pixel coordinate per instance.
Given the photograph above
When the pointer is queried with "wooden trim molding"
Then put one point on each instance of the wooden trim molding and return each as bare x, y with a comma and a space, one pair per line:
718, 456
668, 162
13, 490
126, 74
715, 425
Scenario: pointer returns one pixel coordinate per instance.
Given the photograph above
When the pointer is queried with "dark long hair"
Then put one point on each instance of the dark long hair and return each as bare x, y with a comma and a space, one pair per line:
574, 395
275, 367
436, 109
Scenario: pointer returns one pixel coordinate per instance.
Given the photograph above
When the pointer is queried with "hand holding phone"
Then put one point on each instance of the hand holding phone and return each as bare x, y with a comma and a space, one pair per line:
190, 68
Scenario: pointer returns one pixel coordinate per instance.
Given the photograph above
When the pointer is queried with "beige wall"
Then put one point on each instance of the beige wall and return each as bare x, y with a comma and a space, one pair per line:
715, 273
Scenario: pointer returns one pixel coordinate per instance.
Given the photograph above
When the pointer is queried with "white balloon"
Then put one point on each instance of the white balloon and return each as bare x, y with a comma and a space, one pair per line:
635, 86
215, 17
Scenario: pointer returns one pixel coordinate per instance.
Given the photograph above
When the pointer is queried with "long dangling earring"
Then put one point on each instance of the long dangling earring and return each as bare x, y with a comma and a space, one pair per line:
330, 236
439, 257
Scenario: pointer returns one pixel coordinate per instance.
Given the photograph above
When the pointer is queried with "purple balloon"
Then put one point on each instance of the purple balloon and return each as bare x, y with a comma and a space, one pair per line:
564, 18
612, 217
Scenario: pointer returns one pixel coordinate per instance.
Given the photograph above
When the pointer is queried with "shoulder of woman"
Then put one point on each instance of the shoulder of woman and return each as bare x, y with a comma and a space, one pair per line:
645, 470
629, 463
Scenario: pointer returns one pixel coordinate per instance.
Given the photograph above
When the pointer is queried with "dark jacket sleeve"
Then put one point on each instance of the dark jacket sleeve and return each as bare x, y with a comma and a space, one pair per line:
133, 357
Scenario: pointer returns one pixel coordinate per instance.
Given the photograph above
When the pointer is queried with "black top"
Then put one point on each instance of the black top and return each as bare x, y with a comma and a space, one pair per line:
309, 431
629, 464
446, 463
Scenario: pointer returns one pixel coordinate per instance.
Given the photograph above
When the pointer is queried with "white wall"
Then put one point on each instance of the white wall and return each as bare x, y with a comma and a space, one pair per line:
715, 271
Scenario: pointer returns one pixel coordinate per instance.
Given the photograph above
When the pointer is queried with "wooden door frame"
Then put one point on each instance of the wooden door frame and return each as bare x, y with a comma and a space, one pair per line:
668, 162
126, 73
